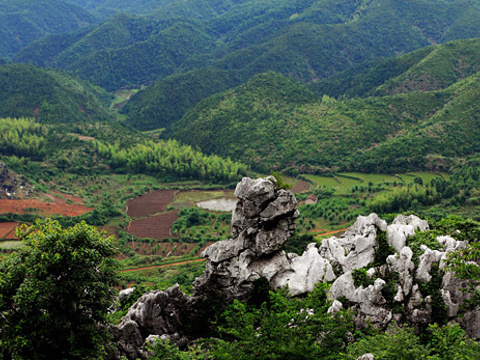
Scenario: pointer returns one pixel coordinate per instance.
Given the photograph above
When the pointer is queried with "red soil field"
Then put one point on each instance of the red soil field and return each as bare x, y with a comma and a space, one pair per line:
7, 230
151, 203
300, 186
156, 227
56, 206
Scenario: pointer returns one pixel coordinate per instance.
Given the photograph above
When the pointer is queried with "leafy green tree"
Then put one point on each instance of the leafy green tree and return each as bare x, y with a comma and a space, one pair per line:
55, 293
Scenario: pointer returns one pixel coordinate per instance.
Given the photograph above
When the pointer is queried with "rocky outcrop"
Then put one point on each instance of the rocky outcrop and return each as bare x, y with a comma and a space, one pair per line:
356, 248
155, 313
402, 227
263, 221
11, 184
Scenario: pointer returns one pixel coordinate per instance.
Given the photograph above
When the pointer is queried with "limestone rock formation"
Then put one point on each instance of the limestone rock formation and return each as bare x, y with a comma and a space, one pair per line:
402, 227
263, 221
155, 313
356, 248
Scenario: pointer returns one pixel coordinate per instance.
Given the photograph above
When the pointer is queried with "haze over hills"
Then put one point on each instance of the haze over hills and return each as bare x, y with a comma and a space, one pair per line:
24, 21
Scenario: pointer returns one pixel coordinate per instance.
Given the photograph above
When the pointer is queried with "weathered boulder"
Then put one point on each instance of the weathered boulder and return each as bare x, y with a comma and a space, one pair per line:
356, 248
305, 271
155, 313
368, 356
402, 227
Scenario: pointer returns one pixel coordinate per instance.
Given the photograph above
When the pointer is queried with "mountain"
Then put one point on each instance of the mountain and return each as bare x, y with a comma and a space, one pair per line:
311, 44
430, 68
124, 50
24, 21
410, 123
50, 96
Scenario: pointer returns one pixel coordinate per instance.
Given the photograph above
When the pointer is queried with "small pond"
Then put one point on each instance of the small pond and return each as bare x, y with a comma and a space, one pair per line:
220, 204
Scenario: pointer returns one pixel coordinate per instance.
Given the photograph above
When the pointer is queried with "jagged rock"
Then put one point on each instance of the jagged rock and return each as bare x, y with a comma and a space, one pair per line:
335, 307
155, 313
305, 271
402, 227
263, 220
125, 294
426, 260
356, 248
403, 265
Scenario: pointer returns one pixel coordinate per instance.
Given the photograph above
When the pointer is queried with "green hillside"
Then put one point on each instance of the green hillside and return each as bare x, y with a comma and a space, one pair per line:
24, 21
430, 68
308, 42
50, 96
67, 49
429, 125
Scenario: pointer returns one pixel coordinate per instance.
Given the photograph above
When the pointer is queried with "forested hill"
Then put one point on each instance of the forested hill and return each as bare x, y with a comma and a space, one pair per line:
24, 21
165, 9
306, 40
431, 68
408, 125
50, 96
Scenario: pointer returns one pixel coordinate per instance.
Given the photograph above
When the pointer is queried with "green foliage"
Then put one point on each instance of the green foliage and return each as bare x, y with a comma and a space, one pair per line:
169, 159
49, 96
22, 137
55, 293
442, 343
361, 278
397, 343
280, 180
287, 328
383, 249
298, 243
190, 217
24, 21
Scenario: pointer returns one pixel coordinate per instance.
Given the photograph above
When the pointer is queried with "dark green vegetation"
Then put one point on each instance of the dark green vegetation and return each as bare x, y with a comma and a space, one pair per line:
55, 293
24, 21
305, 40
423, 115
50, 96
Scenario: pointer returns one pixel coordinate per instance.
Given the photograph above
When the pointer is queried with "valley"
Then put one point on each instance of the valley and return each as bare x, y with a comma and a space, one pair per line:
139, 119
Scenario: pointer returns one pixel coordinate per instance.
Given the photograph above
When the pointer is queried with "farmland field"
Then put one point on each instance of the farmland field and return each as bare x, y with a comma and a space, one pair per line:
155, 227
150, 203
54, 204
7, 230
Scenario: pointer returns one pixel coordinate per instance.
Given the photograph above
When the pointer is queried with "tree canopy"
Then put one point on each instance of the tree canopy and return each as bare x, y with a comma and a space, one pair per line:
55, 293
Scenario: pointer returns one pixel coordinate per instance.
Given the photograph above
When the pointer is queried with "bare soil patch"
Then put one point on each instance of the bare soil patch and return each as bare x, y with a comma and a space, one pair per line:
300, 186
149, 204
156, 227
54, 206
7, 230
